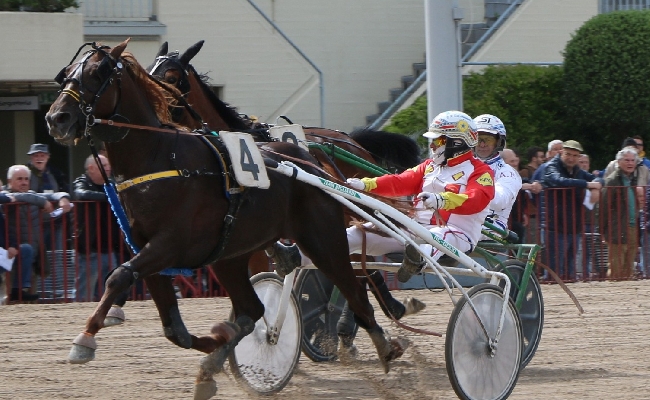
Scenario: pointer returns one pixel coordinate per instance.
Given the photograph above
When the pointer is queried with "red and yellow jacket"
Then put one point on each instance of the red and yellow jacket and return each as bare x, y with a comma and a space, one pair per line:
466, 183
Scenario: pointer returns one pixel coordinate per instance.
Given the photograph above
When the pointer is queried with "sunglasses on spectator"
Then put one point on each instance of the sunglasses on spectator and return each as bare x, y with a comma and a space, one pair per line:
439, 141
639, 144
487, 139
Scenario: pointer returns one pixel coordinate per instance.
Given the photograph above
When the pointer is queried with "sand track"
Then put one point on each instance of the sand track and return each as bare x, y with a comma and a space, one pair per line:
602, 354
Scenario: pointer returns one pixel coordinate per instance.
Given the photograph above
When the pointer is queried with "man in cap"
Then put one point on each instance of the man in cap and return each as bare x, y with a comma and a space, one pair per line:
564, 207
45, 179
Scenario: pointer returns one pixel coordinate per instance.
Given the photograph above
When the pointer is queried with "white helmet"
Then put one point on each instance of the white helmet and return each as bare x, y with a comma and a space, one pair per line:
488, 123
455, 125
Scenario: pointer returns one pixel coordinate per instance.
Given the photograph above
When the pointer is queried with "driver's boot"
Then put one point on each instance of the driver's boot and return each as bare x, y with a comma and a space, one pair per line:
286, 258
411, 265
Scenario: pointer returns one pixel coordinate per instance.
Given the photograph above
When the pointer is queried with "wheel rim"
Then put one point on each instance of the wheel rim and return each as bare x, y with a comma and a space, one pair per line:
531, 311
318, 315
267, 367
480, 375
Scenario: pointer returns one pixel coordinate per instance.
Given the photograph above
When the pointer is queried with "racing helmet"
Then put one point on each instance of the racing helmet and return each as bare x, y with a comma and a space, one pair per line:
488, 123
460, 131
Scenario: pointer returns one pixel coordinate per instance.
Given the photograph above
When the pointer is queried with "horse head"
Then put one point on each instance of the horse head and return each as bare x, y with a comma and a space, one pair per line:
93, 89
172, 67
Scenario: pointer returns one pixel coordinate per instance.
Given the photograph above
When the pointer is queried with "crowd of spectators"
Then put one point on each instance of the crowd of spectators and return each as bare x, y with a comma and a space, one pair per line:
591, 224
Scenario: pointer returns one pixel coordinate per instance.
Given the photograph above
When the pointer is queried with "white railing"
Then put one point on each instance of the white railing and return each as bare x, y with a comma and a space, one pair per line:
117, 10
606, 6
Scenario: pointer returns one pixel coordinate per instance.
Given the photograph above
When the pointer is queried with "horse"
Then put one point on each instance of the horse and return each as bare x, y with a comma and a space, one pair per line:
175, 195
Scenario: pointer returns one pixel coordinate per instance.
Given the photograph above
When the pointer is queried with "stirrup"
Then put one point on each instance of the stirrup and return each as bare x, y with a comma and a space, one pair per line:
411, 264
286, 258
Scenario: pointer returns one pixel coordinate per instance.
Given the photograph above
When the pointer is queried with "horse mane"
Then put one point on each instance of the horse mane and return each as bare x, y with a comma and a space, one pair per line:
392, 150
159, 97
227, 112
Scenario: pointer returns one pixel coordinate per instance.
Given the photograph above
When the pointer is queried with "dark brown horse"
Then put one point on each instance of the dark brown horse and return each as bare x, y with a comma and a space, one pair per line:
178, 202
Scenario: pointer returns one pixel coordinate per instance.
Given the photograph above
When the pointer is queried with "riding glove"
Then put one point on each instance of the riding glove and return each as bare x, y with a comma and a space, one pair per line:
356, 183
433, 201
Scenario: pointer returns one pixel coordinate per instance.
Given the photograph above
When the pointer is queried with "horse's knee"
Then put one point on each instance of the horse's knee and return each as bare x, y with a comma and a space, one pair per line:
121, 277
176, 332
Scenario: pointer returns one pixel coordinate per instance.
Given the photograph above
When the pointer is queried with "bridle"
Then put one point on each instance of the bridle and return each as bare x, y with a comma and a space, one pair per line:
183, 83
108, 71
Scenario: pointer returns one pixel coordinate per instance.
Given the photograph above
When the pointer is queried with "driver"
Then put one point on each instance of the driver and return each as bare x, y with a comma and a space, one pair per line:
453, 191
507, 181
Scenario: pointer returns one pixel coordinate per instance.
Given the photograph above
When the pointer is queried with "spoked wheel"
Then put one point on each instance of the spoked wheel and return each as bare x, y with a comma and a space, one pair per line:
532, 308
262, 366
475, 371
321, 305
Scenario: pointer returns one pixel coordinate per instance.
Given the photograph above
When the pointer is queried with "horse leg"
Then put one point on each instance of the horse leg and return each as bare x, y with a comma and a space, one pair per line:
334, 261
259, 262
233, 275
162, 293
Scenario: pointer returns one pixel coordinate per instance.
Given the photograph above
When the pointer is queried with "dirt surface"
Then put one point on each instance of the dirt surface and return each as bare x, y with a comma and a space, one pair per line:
603, 354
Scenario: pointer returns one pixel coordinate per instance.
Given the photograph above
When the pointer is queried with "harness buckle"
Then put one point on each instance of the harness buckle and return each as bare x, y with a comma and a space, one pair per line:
185, 173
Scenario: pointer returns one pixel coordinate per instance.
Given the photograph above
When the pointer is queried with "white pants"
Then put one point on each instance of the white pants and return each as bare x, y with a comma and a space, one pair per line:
377, 245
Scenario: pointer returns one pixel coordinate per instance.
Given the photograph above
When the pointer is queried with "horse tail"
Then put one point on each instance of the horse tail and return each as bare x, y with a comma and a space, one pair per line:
393, 151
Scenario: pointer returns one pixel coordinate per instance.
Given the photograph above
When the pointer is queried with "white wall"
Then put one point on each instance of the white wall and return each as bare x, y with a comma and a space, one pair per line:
538, 31
35, 46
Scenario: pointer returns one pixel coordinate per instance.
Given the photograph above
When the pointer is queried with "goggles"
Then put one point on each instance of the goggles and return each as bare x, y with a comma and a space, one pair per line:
439, 141
487, 139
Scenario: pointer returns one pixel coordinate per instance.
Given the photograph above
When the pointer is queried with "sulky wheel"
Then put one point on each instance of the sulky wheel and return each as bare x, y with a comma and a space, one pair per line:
321, 304
531, 311
260, 365
475, 371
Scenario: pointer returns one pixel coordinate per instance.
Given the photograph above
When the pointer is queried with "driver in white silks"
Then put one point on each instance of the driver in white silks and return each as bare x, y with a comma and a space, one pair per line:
453, 191
507, 181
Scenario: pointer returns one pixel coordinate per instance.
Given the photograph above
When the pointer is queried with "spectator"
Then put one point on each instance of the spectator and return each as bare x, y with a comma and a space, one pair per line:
645, 205
583, 162
535, 159
45, 178
619, 213
564, 207
30, 216
97, 231
21, 267
511, 158
532, 188
554, 147
507, 182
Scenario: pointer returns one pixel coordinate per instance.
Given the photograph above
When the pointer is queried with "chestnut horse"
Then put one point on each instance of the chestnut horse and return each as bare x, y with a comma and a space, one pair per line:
179, 219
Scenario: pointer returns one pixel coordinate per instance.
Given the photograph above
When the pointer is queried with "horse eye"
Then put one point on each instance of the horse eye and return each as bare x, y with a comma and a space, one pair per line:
171, 80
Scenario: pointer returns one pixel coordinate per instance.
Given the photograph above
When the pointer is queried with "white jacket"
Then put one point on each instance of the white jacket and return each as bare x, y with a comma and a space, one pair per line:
507, 184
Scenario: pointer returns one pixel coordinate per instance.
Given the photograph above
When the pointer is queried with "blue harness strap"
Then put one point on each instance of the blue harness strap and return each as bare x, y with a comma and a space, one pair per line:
119, 213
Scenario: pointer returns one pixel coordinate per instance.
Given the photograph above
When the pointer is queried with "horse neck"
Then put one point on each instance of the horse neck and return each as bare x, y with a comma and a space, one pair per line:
203, 105
136, 153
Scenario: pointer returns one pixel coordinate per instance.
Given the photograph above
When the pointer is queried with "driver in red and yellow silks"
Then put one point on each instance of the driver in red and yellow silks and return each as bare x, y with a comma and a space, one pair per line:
453, 188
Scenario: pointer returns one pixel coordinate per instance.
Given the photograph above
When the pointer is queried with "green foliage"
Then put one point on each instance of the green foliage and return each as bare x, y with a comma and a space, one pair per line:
37, 5
411, 121
607, 65
526, 98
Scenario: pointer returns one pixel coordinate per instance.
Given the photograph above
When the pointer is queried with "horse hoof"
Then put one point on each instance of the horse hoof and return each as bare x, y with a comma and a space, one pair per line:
83, 349
398, 347
114, 317
80, 354
413, 306
225, 331
205, 390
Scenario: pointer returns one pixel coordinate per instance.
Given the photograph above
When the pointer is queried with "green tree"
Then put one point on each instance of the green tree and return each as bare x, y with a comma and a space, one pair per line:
607, 65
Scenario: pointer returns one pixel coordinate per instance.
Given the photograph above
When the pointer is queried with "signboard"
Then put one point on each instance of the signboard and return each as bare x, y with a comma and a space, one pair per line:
20, 103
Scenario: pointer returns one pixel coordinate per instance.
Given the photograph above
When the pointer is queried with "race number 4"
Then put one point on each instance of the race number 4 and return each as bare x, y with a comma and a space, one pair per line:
290, 133
247, 161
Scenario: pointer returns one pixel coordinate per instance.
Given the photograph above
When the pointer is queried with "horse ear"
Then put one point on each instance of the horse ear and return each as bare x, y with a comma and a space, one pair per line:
190, 53
164, 49
116, 51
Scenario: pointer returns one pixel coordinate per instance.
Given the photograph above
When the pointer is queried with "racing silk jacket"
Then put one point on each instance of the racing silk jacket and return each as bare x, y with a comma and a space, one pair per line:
466, 183
507, 184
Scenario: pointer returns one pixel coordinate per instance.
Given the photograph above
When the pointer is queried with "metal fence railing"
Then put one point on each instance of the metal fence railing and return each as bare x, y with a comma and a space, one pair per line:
117, 10
606, 6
